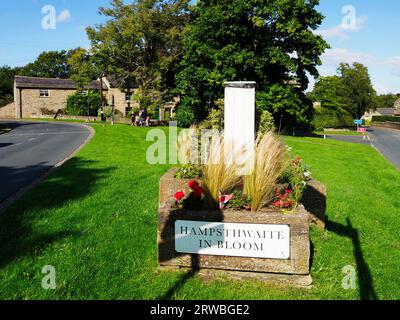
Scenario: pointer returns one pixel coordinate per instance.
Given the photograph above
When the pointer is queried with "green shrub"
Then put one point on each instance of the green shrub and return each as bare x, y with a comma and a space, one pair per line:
215, 120
326, 118
385, 118
79, 104
108, 112
267, 122
185, 115
6, 99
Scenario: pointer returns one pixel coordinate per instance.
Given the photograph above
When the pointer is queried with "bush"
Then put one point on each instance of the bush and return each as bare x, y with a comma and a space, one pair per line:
185, 115
215, 120
108, 112
267, 123
5, 100
326, 118
79, 104
385, 118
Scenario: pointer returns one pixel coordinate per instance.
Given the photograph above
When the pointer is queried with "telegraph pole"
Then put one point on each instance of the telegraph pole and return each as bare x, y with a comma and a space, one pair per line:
113, 109
102, 98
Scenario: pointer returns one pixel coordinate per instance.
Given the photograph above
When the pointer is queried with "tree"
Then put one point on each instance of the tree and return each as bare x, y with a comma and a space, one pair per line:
79, 104
83, 69
140, 45
7, 75
51, 64
356, 88
385, 100
328, 91
270, 42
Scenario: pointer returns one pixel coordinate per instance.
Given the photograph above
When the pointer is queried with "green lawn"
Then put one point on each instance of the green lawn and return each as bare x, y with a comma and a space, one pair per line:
339, 133
95, 220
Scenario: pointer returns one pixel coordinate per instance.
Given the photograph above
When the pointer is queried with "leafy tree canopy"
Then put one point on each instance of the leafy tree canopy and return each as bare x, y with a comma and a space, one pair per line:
270, 42
6, 85
50, 64
385, 100
356, 88
83, 69
327, 91
140, 44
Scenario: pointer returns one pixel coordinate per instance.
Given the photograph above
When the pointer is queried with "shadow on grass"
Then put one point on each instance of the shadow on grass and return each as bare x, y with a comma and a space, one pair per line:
183, 279
19, 225
365, 280
166, 248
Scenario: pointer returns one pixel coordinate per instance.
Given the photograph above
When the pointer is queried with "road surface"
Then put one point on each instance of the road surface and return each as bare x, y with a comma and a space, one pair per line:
386, 141
33, 148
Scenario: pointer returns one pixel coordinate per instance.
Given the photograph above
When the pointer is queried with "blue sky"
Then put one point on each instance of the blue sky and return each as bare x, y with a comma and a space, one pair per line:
373, 39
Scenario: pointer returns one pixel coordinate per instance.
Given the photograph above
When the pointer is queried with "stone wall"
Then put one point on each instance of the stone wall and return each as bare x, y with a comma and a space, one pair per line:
8, 111
119, 100
390, 125
33, 105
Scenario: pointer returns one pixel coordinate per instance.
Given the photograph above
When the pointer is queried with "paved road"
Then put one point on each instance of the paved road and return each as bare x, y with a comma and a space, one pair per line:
353, 139
387, 141
31, 149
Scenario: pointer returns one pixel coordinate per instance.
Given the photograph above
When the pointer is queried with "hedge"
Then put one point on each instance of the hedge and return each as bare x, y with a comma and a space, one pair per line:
79, 104
385, 119
326, 118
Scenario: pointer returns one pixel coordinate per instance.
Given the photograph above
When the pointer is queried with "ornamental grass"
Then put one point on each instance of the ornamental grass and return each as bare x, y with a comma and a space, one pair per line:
219, 173
269, 162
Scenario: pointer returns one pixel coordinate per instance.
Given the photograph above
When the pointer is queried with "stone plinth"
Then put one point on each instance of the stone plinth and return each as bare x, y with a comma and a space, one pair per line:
297, 264
293, 271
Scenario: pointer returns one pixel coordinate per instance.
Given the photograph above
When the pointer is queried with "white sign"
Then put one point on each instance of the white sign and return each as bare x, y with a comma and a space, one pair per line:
233, 239
239, 121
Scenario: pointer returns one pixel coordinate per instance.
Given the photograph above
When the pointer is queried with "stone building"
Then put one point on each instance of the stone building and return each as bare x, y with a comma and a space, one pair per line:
42, 96
36, 97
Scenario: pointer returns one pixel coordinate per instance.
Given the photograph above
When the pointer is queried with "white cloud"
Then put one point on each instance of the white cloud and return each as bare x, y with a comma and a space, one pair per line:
341, 31
64, 16
386, 88
333, 57
394, 62
394, 65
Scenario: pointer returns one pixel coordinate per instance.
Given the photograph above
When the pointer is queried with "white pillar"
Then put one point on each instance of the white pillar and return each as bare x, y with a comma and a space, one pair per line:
239, 134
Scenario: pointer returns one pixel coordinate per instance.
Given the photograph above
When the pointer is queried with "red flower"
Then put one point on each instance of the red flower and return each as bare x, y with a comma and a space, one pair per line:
288, 191
179, 196
297, 160
198, 191
193, 184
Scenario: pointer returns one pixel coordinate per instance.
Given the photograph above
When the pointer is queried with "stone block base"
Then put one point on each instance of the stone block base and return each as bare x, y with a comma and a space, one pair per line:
275, 279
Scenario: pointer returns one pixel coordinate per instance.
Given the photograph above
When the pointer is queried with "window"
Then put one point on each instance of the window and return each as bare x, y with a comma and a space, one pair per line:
44, 93
128, 96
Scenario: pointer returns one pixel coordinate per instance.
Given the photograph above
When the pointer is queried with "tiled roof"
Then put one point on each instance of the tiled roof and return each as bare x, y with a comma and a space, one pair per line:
385, 111
52, 83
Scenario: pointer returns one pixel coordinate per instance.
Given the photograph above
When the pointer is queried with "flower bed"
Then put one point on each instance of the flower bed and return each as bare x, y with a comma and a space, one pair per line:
313, 200
215, 218
291, 270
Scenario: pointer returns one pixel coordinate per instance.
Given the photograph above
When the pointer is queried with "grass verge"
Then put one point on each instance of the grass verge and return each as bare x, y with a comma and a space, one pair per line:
95, 221
339, 133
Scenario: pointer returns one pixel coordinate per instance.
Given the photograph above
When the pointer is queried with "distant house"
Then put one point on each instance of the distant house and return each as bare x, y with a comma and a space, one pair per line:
40, 96
36, 97
397, 108
384, 112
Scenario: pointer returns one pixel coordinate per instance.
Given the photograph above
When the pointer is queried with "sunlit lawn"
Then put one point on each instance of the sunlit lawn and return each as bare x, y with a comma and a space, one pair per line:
95, 221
